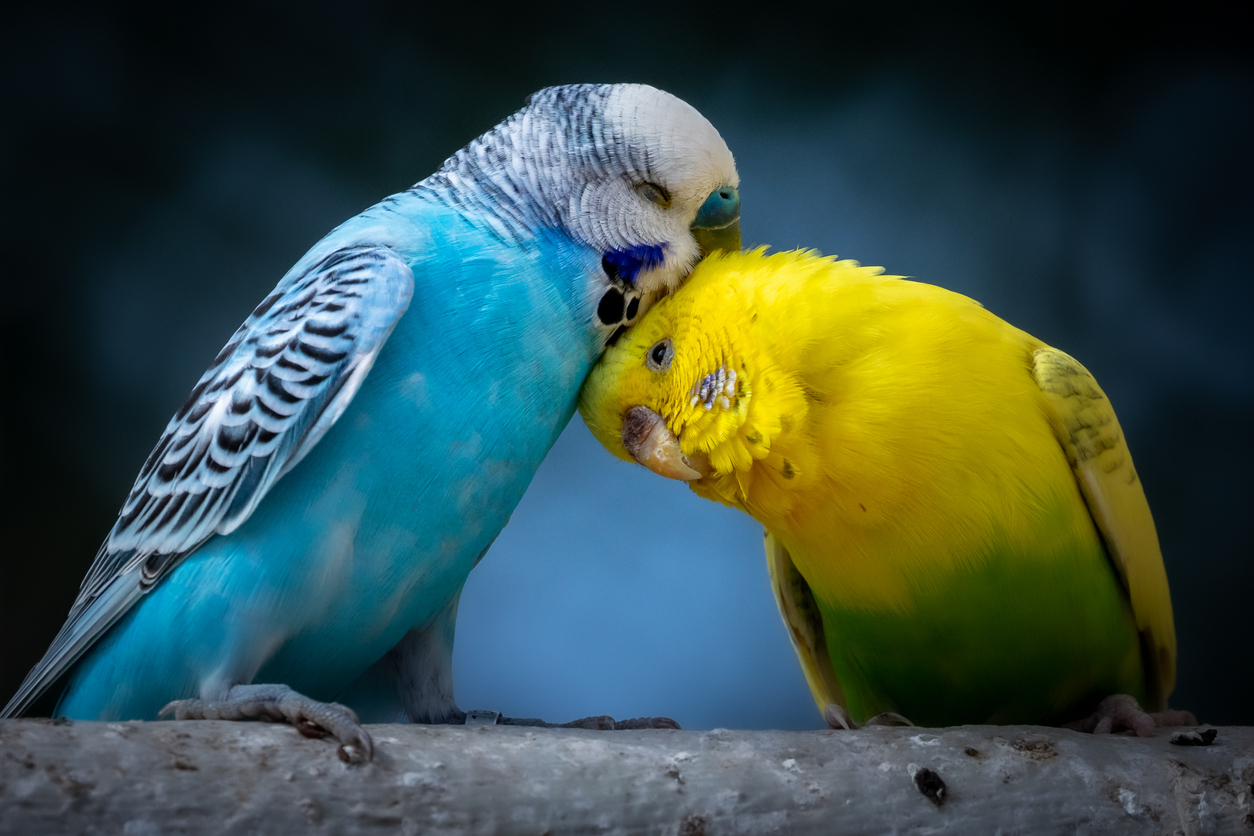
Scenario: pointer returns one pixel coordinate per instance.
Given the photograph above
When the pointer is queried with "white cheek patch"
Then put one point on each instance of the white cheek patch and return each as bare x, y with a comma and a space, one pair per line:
715, 388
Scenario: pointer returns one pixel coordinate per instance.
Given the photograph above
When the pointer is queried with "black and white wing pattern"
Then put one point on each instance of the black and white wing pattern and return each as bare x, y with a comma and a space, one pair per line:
279, 384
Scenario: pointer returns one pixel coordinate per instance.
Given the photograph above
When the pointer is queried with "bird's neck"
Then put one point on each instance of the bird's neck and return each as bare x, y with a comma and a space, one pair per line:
507, 180
493, 207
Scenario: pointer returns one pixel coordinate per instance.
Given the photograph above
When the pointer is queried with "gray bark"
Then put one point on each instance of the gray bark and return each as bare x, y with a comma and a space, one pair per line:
219, 777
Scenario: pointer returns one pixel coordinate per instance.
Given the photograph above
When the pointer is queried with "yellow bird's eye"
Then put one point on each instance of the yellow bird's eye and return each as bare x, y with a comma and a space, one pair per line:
655, 194
660, 355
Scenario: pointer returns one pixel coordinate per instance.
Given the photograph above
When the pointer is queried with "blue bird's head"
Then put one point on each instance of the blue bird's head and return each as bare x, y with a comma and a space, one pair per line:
634, 173
646, 179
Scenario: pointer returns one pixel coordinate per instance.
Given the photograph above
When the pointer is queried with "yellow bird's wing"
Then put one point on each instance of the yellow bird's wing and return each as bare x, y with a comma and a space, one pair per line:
1085, 424
805, 624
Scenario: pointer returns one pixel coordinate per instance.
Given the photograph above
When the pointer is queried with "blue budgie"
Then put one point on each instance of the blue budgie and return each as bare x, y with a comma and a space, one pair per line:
302, 531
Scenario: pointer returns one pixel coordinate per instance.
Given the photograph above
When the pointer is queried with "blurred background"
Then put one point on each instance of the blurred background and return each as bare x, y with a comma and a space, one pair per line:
1084, 170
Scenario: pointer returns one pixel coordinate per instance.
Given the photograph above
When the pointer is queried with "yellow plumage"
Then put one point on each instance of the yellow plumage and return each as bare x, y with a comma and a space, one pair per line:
955, 528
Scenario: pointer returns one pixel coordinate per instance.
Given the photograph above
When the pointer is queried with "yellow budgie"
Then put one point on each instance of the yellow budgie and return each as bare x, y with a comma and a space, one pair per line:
954, 528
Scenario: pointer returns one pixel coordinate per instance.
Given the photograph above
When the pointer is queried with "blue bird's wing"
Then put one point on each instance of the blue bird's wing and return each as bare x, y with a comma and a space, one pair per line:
284, 378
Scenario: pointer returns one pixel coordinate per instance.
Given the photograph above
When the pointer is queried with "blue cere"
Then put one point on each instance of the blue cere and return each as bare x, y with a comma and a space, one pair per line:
720, 209
627, 264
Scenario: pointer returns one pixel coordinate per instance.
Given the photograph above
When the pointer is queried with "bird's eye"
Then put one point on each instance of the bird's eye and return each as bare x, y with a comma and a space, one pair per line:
655, 194
660, 355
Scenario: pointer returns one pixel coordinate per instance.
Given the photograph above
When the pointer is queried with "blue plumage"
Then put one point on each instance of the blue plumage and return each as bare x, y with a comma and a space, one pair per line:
419, 456
310, 515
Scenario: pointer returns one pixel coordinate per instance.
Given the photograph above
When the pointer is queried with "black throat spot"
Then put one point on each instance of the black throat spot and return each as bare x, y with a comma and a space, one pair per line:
611, 308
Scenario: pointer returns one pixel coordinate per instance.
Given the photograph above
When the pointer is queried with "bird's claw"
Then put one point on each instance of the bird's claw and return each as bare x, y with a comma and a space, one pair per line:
1120, 712
279, 703
838, 718
888, 718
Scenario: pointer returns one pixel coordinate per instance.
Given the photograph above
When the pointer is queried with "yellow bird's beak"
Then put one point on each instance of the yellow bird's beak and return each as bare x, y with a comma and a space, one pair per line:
717, 225
650, 442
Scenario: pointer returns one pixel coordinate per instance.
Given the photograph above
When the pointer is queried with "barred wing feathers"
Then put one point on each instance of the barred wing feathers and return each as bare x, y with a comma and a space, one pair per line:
1085, 425
284, 378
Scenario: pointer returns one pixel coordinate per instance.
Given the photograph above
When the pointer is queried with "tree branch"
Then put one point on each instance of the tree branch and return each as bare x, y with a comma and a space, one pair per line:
220, 777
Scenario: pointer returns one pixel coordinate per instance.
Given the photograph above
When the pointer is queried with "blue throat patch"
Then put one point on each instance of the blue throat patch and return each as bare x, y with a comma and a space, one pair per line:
625, 265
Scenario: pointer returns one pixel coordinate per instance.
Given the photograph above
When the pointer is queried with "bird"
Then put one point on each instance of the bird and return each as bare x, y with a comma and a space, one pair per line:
302, 530
954, 528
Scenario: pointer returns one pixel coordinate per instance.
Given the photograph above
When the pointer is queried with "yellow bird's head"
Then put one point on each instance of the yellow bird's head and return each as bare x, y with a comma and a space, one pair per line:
695, 391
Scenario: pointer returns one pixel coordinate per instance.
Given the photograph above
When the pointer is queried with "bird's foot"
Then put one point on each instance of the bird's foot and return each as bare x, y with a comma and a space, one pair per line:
279, 703
838, 718
1120, 712
599, 723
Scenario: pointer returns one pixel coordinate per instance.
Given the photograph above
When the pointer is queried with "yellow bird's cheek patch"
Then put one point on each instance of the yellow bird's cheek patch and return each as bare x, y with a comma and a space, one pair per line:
718, 388
710, 414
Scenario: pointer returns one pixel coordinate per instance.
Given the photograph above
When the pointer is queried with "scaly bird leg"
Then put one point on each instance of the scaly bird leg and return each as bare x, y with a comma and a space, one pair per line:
838, 718
1120, 712
279, 703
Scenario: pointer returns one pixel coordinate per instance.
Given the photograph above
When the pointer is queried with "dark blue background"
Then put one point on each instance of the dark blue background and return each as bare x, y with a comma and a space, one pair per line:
1085, 171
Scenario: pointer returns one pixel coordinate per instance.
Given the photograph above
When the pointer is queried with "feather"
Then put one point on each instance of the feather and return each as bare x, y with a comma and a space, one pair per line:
277, 386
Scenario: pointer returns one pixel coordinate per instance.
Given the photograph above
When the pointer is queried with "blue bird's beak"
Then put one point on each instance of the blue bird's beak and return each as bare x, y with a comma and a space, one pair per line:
717, 225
